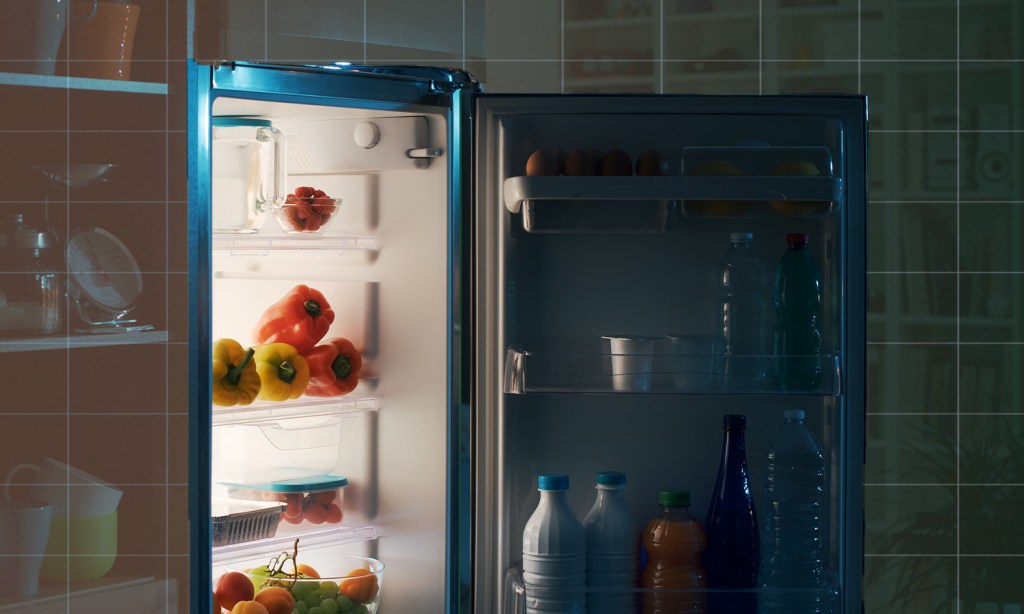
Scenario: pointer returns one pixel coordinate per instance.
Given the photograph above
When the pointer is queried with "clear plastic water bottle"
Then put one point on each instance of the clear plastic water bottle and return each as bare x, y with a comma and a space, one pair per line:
613, 548
733, 553
792, 552
743, 293
554, 552
796, 339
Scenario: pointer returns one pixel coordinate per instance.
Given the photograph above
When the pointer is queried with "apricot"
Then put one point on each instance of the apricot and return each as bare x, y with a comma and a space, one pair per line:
276, 600
796, 168
233, 587
249, 607
717, 168
306, 569
360, 585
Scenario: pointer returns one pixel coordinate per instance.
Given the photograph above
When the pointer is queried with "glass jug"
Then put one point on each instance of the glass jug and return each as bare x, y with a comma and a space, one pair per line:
248, 172
31, 292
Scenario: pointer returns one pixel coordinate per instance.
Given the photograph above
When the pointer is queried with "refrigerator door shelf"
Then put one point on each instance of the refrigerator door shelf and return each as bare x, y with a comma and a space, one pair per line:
648, 203
656, 373
303, 407
258, 550
251, 245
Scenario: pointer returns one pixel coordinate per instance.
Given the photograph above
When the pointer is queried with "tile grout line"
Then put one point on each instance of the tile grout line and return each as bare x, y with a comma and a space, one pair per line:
167, 306
956, 385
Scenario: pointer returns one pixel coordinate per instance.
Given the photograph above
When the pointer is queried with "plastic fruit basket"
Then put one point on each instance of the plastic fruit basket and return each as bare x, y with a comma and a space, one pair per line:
354, 583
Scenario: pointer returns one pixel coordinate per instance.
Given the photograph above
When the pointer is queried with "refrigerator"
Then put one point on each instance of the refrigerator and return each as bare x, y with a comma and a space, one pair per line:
479, 297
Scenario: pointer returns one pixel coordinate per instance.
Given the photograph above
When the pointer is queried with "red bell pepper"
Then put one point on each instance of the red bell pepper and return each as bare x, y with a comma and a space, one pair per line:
300, 319
334, 368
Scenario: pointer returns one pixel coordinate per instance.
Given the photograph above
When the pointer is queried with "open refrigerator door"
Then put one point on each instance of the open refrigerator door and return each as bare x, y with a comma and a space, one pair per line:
324, 303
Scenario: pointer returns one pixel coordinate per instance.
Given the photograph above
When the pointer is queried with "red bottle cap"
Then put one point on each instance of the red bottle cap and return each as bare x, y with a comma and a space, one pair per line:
797, 238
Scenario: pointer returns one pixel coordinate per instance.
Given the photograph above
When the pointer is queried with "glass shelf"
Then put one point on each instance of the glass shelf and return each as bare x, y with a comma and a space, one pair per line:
518, 599
334, 536
82, 83
536, 372
257, 244
58, 342
303, 407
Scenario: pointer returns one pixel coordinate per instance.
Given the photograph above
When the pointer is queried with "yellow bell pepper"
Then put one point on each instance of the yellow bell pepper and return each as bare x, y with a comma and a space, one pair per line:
235, 380
284, 374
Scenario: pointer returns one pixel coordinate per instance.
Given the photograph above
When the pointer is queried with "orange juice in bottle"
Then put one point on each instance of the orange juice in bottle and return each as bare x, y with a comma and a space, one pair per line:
674, 541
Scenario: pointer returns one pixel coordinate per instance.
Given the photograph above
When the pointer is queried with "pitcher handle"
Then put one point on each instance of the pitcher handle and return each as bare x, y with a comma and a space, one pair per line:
72, 18
14, 470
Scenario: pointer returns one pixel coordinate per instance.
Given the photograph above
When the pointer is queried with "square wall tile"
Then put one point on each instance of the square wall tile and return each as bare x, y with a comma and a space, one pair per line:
989, 237
538, 28
692, 36
982, 509
28, 439
913, 308
914, 31
126, 379
910, 520
142, 521
139, 159
988, 93
120, 449
340, 20
418, 30
990, 378
991, 306
990, 31
991, 584
177, 520
912, 237
38, 160
819, 77
704, 77
97, 110
925, 95
992, 168
810, 37
911, 378
33, 108
177, 449
41, 382
141, 227
911, 449
991, 448
910, 584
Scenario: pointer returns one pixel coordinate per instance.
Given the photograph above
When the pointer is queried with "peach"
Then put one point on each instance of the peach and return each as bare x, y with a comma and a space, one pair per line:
233, 587
249, 607
276, 599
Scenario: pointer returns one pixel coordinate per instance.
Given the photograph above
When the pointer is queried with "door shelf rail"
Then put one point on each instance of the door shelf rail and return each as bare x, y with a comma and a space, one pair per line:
519, 600
333, 536
85, 340
660, 372
265, 244
304, 407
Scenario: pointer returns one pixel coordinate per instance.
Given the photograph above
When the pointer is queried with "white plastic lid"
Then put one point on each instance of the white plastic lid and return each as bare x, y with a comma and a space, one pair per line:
741, 236
794, 414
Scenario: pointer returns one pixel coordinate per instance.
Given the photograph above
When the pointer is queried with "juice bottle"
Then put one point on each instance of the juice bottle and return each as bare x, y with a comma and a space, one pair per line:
674, 542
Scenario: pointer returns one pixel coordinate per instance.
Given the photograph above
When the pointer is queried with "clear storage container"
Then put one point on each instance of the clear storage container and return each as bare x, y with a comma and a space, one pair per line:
307, 503
32, 293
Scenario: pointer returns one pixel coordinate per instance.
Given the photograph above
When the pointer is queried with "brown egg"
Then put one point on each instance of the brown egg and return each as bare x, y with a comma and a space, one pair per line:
543, 162
651, 163
579, 163
616, 163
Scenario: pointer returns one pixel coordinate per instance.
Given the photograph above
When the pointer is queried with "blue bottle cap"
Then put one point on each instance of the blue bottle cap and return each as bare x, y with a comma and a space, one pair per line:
793, 414
552, 481
610, 478
735, 421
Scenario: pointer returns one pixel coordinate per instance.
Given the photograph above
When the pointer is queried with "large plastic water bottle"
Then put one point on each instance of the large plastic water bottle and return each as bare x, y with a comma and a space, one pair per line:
793, 550
613, 548
796, 338
733, 553
743, 299
554, 552
674, 542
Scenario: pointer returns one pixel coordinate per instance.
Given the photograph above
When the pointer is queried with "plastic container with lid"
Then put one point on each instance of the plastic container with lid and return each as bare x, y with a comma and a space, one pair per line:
308, 502
32, 296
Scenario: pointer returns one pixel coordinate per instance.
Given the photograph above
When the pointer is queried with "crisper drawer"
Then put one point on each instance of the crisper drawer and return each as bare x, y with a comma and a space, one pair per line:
274, 446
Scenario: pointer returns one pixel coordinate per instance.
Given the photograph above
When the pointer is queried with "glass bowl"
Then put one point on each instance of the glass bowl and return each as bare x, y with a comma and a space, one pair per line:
353, 582
306, 215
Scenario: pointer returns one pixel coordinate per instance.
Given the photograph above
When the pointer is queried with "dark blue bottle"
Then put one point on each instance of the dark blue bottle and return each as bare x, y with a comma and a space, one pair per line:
733, 553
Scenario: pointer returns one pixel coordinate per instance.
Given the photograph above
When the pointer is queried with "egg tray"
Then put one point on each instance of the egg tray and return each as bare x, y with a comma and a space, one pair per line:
246, 526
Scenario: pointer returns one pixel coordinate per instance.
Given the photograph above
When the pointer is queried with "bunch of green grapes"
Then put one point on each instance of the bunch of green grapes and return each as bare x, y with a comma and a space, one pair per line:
312, 597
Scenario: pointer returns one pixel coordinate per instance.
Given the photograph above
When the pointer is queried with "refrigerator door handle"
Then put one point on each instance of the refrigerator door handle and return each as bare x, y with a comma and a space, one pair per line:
423, 152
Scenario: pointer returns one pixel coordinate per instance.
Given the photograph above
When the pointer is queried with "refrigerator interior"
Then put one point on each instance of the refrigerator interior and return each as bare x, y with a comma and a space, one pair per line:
382, 264
572, 278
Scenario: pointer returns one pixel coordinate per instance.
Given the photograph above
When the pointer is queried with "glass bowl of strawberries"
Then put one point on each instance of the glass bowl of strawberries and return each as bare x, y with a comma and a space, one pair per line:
307, 210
